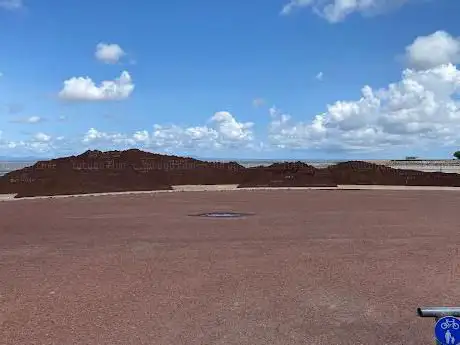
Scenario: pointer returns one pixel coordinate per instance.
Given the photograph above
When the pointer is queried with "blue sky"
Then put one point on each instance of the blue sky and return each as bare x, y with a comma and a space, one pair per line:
231, 79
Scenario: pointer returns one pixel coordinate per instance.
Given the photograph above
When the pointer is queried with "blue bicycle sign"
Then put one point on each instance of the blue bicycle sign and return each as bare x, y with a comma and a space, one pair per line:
447, 331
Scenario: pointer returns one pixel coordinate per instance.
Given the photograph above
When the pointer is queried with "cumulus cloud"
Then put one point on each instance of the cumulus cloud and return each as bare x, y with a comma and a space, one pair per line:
11, 4
109, 53
38, 143
222, 131
84, 89
230, 129
93, 135
421, 109
433, 50
337, 10
319, 76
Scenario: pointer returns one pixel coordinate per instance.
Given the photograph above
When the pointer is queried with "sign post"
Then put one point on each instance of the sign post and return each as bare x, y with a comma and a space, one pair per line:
447, 326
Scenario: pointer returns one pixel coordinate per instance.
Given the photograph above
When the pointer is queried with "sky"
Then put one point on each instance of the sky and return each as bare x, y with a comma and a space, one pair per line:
297, 79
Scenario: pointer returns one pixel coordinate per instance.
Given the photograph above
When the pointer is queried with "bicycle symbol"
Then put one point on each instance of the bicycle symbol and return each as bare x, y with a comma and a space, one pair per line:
450, 323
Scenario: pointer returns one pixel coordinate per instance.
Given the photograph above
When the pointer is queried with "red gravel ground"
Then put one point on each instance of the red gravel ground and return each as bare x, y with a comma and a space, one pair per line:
310, 267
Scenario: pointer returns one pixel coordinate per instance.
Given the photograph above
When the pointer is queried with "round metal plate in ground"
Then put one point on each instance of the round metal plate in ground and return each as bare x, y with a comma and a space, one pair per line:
222, 215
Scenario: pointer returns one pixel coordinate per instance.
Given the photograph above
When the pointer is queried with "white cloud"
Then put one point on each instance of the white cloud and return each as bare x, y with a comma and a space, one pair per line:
31, 119
109, 53
319, 76
34, 119
84, 89
433, 50
421, 109
288, 8
222, 131
230, 129
11, 4
337, 10
141, 136
93, 135
37, 144
42, 137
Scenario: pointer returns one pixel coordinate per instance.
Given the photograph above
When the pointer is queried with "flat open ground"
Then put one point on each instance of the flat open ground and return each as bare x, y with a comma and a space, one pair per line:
309, 267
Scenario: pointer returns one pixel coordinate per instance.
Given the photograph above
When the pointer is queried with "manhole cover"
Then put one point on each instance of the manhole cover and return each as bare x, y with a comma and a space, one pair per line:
222, 215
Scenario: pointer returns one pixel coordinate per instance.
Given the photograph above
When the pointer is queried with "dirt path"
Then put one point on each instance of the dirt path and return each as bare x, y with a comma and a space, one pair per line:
223, 188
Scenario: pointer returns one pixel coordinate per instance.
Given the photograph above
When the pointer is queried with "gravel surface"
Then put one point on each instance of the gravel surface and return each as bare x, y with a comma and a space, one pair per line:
310, 267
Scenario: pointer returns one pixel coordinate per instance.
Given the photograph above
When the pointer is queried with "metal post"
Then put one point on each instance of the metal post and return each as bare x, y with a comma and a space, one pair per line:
438, 312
